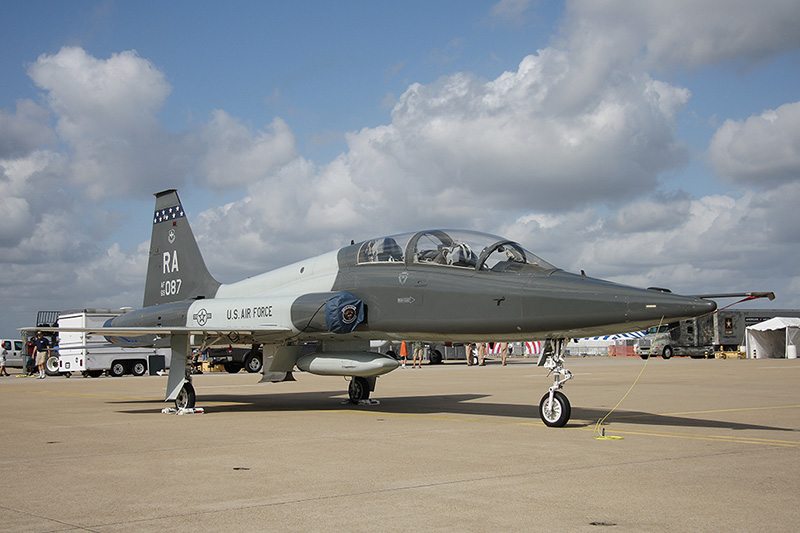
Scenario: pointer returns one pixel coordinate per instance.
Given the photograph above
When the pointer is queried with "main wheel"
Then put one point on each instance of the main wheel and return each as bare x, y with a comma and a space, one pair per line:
667, 353
231, 368
186, 397
358, 389
51, 366
117, 369
253, 363
138, 368
435, 357
557, 414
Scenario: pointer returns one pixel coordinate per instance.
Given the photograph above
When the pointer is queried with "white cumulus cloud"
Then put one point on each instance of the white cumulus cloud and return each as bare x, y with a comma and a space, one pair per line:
762, 151
681, 32
231, 154
106, 112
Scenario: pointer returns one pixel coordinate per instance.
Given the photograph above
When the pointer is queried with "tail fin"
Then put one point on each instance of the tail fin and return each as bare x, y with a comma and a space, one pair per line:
175, 269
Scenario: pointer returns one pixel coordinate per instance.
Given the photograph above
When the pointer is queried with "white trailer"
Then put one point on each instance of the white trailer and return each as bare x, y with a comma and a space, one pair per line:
93, 354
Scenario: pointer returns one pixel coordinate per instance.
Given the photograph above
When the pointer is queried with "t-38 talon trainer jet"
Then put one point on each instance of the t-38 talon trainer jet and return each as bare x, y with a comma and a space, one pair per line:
319, 315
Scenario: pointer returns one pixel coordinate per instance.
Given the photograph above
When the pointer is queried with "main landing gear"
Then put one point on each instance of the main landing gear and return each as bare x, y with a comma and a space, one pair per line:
554, 408
186, 396
360, 388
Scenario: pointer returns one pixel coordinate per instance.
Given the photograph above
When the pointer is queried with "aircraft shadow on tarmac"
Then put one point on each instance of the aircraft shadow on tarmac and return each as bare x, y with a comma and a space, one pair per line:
461, 404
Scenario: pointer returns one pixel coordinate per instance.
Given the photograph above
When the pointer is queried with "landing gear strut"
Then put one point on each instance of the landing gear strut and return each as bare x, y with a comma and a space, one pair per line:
554, 408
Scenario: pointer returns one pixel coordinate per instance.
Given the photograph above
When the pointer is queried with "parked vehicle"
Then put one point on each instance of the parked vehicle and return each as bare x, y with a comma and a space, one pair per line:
92, 355
234, 358
14, 351
21, 358
705, 336
435, 352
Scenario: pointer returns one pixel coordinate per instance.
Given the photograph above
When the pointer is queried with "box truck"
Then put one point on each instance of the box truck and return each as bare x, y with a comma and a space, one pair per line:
705, 336
93, 354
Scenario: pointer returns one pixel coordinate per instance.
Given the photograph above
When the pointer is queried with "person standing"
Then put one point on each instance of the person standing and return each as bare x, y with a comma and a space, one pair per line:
481, 353
503, 352
468, 352
403, 353
419, 351
30, 360
41, 351
3, 371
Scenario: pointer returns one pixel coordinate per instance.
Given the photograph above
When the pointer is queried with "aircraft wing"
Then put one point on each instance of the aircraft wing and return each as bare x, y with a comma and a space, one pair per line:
136, 331
148, 336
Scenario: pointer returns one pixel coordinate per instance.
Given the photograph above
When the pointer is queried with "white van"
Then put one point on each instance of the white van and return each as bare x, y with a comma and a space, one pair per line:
14, 350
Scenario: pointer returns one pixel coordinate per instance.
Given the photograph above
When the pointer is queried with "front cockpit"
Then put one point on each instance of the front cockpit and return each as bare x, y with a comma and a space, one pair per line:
452, 248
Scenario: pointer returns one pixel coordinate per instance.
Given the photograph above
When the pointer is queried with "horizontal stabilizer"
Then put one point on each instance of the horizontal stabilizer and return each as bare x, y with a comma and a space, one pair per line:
136, 331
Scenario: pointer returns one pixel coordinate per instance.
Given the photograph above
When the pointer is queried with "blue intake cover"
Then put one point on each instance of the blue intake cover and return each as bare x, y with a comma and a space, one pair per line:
343, 312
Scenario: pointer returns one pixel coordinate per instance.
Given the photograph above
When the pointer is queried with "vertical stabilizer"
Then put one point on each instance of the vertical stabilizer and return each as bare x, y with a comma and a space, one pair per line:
175, 267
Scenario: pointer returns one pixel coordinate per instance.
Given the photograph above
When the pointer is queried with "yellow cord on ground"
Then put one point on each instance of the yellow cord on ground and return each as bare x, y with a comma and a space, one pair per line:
601, 434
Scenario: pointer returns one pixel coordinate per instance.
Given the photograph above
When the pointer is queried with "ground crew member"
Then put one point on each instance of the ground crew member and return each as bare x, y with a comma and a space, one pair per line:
41, 351
419, 351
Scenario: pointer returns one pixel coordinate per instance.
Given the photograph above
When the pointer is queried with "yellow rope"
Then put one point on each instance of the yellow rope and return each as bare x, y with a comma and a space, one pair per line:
601, 434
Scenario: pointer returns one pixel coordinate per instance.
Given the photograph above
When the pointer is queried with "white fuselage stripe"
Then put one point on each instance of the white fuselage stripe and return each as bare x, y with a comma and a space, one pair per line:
316, 274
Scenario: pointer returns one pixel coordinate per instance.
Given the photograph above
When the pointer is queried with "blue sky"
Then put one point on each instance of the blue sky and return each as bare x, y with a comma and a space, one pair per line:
650, 144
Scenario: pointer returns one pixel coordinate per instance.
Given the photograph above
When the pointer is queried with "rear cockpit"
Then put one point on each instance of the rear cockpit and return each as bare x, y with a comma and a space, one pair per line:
452, 248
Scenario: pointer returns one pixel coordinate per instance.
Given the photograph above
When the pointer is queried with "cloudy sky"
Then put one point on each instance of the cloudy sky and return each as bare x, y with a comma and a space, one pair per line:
651, 143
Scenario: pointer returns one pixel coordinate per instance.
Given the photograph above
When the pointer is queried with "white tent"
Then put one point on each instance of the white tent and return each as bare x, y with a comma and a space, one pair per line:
776, 337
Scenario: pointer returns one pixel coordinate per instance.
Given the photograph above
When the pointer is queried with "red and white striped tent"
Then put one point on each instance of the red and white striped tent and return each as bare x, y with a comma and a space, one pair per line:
528, 348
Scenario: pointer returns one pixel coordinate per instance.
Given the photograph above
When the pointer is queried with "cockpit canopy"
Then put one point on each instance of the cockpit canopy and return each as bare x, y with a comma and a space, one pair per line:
453, 248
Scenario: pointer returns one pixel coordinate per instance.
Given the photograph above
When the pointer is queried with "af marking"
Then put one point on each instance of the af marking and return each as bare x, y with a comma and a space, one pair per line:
170, 287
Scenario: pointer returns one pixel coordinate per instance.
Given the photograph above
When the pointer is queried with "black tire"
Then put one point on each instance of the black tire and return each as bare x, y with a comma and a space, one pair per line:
358, 389
138, 368
232, 368
117, 369
435, 357
667, 353
558, 416
51, 366
253, 363
186, 397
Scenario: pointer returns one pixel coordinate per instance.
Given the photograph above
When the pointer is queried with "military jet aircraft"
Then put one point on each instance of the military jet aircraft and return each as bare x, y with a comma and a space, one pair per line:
319, 315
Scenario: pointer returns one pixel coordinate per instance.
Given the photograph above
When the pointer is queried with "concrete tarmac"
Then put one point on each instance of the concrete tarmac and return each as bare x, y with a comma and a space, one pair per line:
697, 446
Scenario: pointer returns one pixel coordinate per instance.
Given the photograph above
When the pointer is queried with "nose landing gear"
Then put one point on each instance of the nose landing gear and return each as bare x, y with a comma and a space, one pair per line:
554, 407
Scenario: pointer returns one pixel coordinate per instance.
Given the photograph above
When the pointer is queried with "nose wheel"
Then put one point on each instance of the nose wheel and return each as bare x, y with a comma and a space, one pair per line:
554, 410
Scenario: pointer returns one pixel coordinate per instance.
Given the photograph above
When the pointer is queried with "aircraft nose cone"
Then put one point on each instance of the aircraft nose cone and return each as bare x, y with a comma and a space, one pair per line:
707, 306
676, 307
